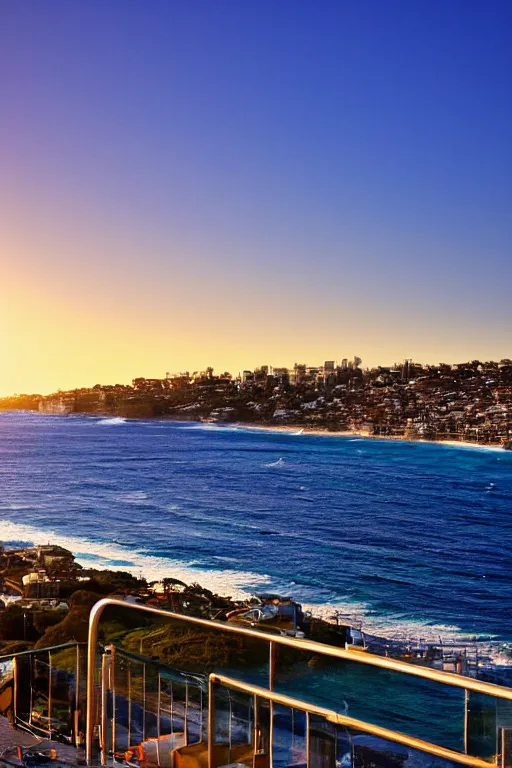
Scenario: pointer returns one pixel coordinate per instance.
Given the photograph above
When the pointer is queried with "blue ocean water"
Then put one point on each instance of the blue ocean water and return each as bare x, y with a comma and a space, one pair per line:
408, 538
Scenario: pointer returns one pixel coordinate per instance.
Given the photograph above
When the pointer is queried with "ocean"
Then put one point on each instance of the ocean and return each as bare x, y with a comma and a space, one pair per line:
411, 540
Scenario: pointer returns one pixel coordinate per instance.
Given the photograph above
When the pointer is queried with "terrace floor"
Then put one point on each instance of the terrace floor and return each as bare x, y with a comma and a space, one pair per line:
10, 738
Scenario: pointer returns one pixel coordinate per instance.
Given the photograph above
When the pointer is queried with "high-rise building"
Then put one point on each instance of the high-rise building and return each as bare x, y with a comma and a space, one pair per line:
299, 371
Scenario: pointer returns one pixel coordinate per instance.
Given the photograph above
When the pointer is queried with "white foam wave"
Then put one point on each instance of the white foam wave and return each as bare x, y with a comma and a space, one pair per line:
210, 428
469, 446
92, 554
132, 497
114, 421
238, 584
278, 463
391, 627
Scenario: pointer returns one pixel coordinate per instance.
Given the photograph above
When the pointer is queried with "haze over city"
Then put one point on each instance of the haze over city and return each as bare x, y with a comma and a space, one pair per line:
238, 184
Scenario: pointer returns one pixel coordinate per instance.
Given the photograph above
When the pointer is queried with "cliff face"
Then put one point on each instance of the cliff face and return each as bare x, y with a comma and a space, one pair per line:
55, 406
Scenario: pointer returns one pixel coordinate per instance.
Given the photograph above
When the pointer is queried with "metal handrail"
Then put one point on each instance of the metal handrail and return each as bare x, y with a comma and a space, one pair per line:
115, 654
349, 722
33, 651
446, 678
176, 674
49, 652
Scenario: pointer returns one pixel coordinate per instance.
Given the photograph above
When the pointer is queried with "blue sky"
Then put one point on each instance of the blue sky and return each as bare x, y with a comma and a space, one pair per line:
259, 182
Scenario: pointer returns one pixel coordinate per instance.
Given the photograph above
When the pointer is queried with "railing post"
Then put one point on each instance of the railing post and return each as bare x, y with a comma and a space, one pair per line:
129, 703
185, 719
271, 682
249, 720
31, 697
113, 688
201, 716
172, 711
158, 700
76, 713
103, 718
49, 695
143, 701
15, 689
90, 701
466, 711
211, 721
271, 665
308, 740
255, 737
230, 725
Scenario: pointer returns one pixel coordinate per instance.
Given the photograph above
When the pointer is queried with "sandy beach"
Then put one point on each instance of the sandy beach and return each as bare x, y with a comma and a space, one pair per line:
319, 432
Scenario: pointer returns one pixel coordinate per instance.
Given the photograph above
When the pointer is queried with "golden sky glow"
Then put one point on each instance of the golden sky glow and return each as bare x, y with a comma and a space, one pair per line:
68, 327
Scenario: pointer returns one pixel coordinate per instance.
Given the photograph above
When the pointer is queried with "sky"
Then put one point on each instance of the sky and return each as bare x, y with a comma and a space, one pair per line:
233, 184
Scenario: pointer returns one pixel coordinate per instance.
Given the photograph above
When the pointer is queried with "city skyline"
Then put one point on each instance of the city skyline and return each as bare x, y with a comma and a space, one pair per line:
236, 184
295, 371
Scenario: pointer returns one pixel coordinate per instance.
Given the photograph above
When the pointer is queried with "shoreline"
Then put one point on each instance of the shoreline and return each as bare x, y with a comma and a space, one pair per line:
291, 429
226, 582
364, 435
377, 626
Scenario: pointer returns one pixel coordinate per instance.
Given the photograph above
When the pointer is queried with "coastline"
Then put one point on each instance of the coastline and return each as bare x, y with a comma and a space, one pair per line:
298, 430
292, 429
222, 584
375, 626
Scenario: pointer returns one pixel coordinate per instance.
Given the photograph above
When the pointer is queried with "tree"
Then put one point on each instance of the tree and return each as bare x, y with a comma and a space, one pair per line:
75, 625
16, 624
169, 582
12, 624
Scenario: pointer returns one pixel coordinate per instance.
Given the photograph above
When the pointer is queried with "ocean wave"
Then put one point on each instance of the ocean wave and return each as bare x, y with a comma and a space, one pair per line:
132, 497
102, 554
210, 428
113, 422
392, 627
238, 584
278, 463
468, 446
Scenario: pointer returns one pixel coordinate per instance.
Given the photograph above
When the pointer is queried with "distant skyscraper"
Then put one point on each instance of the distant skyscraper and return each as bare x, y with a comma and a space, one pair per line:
344, 364
299, 372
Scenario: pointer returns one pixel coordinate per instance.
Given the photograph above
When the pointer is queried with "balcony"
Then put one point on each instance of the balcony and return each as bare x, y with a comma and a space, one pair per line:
159, 689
